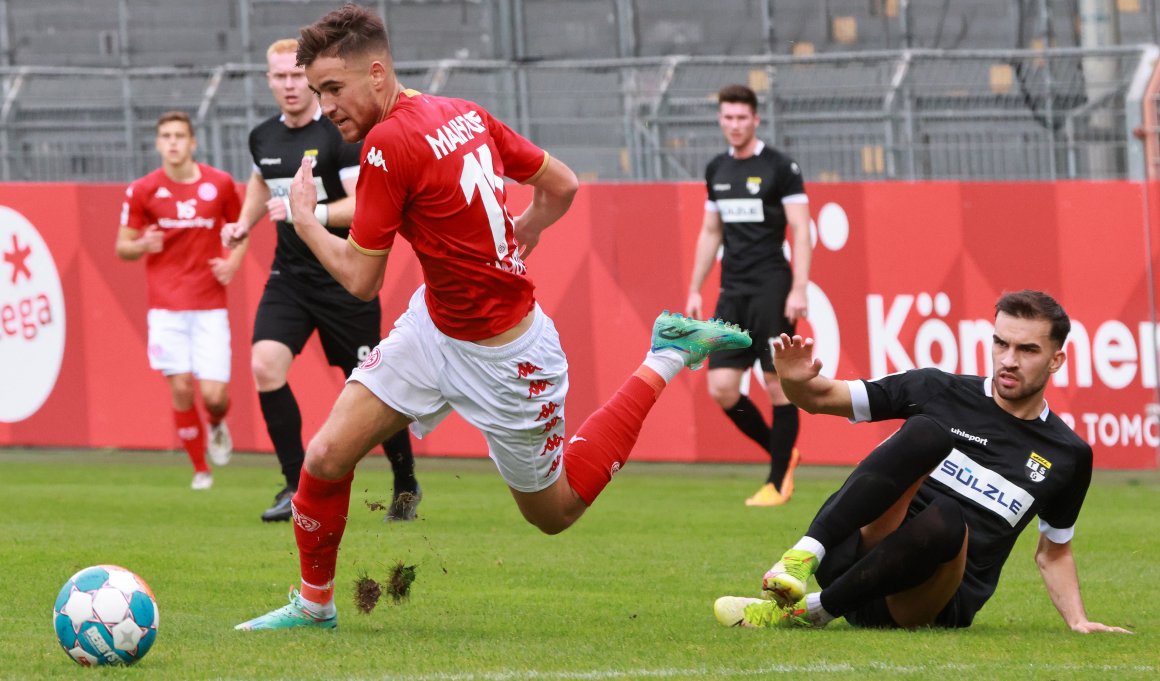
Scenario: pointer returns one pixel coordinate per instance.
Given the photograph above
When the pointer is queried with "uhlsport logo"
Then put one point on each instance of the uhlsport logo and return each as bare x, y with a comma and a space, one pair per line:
32, 318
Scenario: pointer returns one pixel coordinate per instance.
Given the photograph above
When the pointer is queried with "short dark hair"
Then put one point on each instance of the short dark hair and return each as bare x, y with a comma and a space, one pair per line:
347, 31
170, 116
1028, 304
737, 94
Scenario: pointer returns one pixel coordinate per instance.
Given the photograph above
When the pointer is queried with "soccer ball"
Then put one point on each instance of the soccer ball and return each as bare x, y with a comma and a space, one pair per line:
105, 614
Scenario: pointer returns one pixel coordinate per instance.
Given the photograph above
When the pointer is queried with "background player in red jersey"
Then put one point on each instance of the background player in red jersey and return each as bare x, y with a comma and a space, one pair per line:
473, 338
301, 297
173, 216
919, 532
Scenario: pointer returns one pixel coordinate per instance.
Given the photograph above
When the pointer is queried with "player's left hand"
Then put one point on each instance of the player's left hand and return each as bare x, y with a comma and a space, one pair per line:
1087, 627
526, 237
223, 270
796, 306
303, 194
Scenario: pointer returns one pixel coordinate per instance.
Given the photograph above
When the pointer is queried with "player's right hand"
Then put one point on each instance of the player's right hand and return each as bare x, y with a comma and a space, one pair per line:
693, 305
278, 208
153, 240
233, 234
794, 360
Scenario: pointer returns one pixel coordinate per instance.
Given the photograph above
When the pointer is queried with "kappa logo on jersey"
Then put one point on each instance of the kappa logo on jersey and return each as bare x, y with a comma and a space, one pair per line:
753, 184
983, 486
1037, 468
161, 193
375, 158
795, 168
187, 210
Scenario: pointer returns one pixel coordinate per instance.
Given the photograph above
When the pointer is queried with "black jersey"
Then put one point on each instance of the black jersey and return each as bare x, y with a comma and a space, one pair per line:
277, 151
748, 195
1003, 470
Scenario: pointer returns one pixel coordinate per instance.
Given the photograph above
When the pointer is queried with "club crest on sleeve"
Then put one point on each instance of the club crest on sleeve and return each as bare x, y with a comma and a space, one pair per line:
1037, 467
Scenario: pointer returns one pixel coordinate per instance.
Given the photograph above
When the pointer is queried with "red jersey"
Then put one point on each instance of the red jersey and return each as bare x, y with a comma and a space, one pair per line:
433, 171
190, 216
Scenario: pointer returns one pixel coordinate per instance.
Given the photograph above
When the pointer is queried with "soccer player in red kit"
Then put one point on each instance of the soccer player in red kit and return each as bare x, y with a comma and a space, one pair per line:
473, 338
173, 217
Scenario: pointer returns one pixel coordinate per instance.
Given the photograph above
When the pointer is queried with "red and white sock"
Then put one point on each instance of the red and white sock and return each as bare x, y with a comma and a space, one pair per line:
666, 362
320, 512
192, 437
602, 444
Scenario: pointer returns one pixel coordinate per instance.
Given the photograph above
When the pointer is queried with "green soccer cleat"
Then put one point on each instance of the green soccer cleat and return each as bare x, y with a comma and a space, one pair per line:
785, 583
289, 617
757, 613
694, 338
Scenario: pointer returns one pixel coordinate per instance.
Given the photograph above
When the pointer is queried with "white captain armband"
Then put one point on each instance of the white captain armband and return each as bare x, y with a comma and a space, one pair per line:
322, 212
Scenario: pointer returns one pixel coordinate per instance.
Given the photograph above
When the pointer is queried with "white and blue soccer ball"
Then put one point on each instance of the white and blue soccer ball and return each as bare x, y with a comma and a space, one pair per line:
105, 615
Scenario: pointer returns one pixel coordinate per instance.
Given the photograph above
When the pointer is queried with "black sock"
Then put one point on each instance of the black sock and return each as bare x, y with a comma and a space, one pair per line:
782, 437
880, 480
397, 449
284, 424
903, 560
748, 420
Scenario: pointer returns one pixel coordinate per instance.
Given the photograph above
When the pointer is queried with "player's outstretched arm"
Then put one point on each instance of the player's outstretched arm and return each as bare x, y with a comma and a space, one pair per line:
802, 381
552, 194
1057, 566
359, 273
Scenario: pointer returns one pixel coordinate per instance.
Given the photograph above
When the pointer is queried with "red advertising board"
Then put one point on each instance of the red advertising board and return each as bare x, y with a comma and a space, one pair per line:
904, 275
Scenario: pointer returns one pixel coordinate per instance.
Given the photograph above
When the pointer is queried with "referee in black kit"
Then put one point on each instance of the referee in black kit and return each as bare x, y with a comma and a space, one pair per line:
300, 295
754, 194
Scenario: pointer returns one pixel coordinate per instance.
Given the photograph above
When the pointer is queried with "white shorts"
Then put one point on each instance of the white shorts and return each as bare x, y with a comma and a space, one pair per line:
190, 341
514, 394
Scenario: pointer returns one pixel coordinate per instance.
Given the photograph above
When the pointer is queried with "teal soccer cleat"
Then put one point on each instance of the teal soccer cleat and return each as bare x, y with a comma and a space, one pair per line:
694, 338
289, 616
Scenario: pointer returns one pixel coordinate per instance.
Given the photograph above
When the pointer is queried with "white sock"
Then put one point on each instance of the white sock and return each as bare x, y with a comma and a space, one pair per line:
815, 611
667, 362
813, 546
319, 610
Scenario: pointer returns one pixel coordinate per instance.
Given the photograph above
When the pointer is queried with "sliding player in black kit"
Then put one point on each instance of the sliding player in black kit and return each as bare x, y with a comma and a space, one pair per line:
301, 296
919, 532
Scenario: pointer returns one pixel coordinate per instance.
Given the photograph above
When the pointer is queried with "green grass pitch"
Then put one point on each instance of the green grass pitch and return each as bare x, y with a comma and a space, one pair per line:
625, 594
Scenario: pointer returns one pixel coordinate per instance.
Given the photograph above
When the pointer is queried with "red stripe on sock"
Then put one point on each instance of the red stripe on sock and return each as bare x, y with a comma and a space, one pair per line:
217, 418
320, 511
192, 437
603, 443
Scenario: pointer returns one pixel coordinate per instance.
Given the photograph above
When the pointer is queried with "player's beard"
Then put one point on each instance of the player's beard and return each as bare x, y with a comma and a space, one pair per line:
1024, 388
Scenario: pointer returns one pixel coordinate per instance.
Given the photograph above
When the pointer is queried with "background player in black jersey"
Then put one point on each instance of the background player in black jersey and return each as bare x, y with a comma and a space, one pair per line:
300, 295
755, 191
919, 532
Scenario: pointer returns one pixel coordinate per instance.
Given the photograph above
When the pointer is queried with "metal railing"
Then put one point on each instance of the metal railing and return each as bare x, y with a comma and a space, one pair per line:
892, 115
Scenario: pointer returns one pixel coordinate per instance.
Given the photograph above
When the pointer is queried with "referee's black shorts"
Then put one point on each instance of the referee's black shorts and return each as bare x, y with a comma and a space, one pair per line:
763, 315
290, 311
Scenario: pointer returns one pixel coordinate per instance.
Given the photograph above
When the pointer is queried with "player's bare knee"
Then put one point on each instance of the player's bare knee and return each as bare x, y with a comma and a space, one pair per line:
323, 460
267, 374
726, 397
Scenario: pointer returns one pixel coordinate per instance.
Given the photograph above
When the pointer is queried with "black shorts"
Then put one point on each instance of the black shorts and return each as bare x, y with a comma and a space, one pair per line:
763, 315
875, 614
290, 311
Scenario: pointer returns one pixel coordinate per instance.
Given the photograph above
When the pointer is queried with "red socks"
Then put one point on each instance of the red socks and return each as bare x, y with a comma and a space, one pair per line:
320, 512
192, 437
217, 418
603, 443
